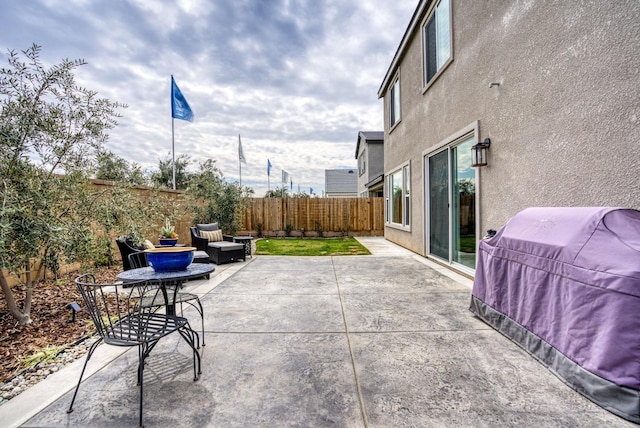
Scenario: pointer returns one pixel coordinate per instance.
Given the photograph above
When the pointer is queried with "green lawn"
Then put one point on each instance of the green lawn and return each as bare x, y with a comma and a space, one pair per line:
310, 247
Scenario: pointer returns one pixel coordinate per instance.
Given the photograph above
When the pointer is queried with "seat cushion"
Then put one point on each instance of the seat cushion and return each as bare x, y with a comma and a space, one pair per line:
208, 226
226, 246
200, 257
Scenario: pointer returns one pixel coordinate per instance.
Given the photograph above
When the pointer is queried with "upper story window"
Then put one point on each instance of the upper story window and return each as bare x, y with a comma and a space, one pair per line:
394, 103
362, 162
436, 34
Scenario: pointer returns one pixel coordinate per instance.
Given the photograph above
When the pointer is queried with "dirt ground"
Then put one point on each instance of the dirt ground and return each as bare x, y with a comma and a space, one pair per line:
50, 324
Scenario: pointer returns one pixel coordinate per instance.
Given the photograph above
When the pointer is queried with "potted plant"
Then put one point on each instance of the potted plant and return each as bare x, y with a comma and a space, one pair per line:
168, 234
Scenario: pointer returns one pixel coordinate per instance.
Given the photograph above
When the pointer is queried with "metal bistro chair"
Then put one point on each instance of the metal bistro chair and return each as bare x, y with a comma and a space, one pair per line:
139, 260
121, 321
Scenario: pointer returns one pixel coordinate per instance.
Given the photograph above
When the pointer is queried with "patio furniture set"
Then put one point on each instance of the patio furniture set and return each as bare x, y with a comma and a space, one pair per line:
142, 308
212, 246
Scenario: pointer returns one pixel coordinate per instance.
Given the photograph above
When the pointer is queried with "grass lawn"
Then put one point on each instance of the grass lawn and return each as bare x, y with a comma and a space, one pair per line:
310, 247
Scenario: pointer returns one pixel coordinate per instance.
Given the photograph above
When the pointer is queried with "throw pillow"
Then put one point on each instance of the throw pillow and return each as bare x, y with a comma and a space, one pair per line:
148, 245
212, 235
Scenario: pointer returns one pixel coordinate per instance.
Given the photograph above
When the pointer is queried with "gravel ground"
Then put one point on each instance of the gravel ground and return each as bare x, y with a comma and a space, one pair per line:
41, 371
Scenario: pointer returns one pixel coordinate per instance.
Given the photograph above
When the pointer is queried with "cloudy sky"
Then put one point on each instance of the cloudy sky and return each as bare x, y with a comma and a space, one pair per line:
297, 79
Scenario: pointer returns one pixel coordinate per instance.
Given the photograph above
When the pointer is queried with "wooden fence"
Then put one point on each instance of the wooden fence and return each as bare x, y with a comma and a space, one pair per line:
334, 216
325, 216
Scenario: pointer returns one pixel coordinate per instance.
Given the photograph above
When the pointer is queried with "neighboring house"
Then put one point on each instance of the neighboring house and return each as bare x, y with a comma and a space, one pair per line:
370, 157
341, 183
555, 87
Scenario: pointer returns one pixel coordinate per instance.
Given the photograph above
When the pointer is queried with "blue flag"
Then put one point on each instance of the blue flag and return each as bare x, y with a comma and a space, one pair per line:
291, 186
268, 167
179, 106
311, 190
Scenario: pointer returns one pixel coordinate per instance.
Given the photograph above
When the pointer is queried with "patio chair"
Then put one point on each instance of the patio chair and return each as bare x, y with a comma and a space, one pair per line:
121, 321
139, 260
126, 247
222, 251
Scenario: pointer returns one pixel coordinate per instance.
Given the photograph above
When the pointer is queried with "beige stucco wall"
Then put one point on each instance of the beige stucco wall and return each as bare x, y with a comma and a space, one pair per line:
564, 121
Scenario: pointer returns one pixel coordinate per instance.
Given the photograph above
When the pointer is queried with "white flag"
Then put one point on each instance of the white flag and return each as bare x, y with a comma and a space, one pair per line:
240, 152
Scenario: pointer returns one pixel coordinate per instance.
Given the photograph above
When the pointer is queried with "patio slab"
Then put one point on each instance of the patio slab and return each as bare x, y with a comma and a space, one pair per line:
359, 341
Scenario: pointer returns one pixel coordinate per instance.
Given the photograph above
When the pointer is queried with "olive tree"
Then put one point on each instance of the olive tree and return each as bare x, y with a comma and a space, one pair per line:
164, 176
50, 131
115, 168
215, 200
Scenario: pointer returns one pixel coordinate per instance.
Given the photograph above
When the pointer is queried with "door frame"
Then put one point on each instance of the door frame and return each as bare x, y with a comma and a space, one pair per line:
471, 130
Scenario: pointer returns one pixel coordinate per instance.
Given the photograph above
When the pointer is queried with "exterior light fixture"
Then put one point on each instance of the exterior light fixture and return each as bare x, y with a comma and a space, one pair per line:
479, 153
75, 308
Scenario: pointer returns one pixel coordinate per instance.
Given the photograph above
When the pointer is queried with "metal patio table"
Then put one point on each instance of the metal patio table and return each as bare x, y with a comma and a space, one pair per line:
194, 270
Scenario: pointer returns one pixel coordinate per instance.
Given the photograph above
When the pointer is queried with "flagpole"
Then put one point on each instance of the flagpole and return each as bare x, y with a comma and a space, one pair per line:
173, 156
179, 110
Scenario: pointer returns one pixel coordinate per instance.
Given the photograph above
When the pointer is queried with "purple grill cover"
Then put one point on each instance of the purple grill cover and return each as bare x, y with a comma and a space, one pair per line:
571, 277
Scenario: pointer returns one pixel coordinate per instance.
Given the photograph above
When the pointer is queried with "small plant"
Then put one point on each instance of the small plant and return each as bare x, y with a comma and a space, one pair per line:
48, 353
259, 230
319, 229
169, 231
287, 229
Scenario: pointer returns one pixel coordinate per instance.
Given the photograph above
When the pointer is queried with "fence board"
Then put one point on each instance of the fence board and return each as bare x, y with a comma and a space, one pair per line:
335, 216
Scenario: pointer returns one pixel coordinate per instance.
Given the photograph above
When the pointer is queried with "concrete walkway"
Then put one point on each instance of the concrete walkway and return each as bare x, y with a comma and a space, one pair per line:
354, 341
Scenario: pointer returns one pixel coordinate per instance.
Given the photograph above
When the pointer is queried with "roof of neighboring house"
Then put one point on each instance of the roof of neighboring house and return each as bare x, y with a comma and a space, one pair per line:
371, 137
341, 180
404, 43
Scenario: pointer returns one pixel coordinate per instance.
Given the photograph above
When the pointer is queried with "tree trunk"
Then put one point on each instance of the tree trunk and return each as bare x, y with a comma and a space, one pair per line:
22, 319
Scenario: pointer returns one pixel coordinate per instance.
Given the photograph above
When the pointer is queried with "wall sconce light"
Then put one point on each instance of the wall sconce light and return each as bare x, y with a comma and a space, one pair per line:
479, 153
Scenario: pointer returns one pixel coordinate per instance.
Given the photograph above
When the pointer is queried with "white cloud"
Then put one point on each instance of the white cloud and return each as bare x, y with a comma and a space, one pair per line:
296, 79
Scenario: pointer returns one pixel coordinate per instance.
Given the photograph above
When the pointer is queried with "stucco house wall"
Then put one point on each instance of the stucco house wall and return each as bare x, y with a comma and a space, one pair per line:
563, 114
369, 145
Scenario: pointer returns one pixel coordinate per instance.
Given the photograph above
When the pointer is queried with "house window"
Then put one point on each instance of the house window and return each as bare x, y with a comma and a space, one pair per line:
436, 34
394, 102
398, 197
362, 162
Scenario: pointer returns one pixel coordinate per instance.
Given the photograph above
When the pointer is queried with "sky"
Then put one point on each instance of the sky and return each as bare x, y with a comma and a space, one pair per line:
296, 79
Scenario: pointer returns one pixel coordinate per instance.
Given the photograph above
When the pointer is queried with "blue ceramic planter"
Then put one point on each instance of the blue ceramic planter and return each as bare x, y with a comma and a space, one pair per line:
168, 241
170, 259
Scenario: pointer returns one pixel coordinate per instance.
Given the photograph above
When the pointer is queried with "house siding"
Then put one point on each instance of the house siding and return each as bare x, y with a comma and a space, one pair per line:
374, 156
341, 182
563, 122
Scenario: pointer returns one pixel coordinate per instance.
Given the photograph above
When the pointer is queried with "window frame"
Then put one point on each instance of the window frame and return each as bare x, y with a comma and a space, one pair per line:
362, 162
404, 171
431, 19
395, 110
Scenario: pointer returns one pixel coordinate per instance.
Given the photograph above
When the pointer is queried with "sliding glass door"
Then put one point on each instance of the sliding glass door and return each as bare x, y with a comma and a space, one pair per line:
452, 204
439, 205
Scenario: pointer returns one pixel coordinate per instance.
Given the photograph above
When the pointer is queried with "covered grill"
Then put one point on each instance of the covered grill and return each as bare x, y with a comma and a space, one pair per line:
564, 284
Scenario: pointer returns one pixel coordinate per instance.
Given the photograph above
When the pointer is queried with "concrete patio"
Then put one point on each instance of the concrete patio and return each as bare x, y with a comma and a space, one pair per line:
353, 341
